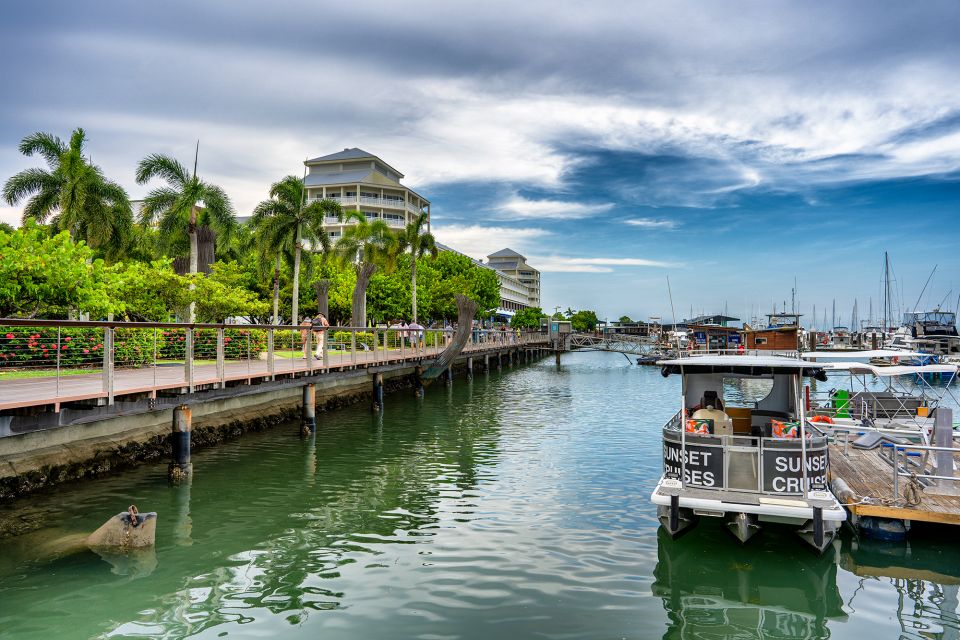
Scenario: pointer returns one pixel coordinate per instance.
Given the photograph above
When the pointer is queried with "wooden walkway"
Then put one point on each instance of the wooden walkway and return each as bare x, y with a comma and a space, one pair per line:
153, 379
870, 475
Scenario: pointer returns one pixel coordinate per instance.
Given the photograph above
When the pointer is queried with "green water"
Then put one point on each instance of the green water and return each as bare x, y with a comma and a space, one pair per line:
515, 506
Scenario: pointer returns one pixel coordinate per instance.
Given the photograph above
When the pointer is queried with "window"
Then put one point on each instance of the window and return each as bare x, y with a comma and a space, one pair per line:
760, 340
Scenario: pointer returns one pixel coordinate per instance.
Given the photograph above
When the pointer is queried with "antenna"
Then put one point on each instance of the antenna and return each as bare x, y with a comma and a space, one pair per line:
196, 156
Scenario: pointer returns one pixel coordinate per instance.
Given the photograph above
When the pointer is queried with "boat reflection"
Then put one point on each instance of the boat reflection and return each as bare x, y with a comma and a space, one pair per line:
772, 589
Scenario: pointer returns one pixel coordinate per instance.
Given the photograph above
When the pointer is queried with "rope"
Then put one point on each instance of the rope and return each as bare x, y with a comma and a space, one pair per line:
132, 512
913, 492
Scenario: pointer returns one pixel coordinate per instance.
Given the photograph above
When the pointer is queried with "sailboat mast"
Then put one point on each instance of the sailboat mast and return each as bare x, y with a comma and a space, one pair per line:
886, 291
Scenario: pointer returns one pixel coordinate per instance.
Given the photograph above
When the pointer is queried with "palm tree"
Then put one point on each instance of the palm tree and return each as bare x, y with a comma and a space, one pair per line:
284, 220
72, 192
180, 205
419, 243
367, 245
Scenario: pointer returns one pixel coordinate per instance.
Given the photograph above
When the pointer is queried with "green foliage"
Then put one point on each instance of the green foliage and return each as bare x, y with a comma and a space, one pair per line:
625, 320
527, 318
150, 291
221, 295
50, 277
345, 338
449, 274
583, 320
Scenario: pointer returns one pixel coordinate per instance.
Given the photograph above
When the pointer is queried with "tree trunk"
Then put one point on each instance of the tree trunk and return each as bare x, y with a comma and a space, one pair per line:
322, 288
276, 291
192, 232
364, 272
295, 306
413, 289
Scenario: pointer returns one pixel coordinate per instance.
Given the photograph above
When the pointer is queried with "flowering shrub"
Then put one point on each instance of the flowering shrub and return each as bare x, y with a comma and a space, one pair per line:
22, 347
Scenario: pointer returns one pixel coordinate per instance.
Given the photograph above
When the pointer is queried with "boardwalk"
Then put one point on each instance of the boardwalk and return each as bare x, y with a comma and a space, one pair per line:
152, 379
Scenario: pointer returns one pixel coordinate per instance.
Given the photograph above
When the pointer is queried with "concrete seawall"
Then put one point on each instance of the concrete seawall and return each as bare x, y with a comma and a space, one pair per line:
130, 436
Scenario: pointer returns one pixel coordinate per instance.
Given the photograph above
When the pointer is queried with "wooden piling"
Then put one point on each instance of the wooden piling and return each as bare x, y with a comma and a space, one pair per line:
470, 368
308, 422
180, 465
378, 392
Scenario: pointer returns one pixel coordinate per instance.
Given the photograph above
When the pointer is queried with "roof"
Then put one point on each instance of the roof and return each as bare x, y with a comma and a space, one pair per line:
505, 253
352, 153
504, 265
889, 372
744, 365
339, 177
858, 355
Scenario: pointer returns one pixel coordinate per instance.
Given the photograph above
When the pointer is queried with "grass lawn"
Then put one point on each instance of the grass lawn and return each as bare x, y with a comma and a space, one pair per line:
44, 373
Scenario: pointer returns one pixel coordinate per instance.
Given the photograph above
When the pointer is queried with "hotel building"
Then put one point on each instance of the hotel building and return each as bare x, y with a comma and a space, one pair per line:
361, 181
519, 282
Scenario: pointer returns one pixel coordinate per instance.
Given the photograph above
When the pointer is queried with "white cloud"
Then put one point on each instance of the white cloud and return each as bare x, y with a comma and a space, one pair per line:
478, 241
593, 265
652, 223
520, 207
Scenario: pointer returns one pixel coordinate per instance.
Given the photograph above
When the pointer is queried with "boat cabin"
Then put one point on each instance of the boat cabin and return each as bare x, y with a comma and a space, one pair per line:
740, 447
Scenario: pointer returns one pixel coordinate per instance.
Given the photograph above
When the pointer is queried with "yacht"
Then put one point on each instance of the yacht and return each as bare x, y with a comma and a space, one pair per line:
738, 458
933, 332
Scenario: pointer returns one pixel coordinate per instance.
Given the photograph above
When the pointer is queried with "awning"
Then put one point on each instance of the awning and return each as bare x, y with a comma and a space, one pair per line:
856, 355
861, 368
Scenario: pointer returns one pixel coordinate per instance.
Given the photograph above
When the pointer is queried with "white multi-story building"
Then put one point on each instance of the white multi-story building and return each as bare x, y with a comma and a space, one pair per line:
519, 282
361, 181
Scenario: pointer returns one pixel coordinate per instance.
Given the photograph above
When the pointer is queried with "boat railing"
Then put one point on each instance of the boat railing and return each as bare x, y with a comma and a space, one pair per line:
745, 463
912, 463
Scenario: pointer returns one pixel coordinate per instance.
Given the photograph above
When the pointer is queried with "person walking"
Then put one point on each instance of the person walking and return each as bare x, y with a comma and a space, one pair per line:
320, 324
306, 324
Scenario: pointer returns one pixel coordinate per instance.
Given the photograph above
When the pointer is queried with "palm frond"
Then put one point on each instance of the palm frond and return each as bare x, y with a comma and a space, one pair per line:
27, 182
218, 210
158, 165
47, 145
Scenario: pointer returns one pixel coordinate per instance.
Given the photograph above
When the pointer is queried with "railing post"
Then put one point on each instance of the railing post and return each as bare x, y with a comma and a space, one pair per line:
896, 475
188, 359
57, 395
108, 359
270, 354
376, 344
943, 437
221, 356
353, 347
325, 334
308, 349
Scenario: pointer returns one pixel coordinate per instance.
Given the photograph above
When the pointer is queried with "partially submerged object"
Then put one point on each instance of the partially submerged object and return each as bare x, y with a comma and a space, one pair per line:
127, 530
750, 464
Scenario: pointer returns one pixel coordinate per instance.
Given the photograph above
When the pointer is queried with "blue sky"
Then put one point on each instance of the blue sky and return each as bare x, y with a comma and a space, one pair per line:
734, 146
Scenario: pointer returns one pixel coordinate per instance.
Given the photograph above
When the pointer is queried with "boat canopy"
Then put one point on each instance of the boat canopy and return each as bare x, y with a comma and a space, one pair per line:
743, 365
856, 355
861, 368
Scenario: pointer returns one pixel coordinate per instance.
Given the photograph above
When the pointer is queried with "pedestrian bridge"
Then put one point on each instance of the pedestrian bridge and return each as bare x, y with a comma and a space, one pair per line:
617, 343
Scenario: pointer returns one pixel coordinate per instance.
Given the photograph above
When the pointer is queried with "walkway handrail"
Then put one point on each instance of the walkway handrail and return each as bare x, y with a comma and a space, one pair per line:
44, 362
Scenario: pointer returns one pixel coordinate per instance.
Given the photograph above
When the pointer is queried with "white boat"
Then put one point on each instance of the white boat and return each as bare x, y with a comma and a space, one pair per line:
882, 395
743, 463
932, 332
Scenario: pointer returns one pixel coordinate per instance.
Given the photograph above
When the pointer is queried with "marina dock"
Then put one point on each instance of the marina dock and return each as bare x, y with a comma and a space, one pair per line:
869, 476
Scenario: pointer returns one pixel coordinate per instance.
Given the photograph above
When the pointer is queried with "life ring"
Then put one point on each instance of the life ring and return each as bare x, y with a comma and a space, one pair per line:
823, 419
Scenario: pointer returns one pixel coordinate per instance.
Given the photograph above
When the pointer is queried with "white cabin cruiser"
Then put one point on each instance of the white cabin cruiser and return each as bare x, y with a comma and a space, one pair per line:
743, 463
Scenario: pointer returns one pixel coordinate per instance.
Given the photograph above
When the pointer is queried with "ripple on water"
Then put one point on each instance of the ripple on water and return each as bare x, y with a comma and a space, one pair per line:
514, 506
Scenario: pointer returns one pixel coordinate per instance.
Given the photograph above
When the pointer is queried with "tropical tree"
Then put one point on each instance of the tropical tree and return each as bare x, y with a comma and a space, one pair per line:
285, 220
528, 318
183, 204
367, 244
72, 193
419, 243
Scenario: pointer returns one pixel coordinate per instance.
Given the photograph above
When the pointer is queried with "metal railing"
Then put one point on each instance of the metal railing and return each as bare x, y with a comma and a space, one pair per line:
46, 362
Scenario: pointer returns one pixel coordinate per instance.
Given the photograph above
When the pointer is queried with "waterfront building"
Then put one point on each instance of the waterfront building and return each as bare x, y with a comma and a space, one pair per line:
519, 282
361, 181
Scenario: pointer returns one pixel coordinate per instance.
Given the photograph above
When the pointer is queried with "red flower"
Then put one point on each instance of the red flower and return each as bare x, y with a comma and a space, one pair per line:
226, 339
86, 350
62, 347
67, 339
9, 336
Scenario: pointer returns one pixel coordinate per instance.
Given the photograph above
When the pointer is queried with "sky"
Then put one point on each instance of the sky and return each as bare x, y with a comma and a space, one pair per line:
738, 148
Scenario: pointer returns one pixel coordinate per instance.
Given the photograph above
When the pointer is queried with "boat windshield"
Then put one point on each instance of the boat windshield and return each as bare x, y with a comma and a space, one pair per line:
944, 318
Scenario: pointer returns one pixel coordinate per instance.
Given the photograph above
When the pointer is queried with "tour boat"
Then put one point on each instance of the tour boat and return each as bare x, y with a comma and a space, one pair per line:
932, 332
739, 458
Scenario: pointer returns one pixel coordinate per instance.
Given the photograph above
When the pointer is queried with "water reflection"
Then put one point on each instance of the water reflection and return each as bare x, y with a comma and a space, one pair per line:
712, 589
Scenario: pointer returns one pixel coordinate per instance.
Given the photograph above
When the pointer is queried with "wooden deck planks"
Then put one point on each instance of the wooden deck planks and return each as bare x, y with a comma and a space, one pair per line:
869, 475
30, 392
